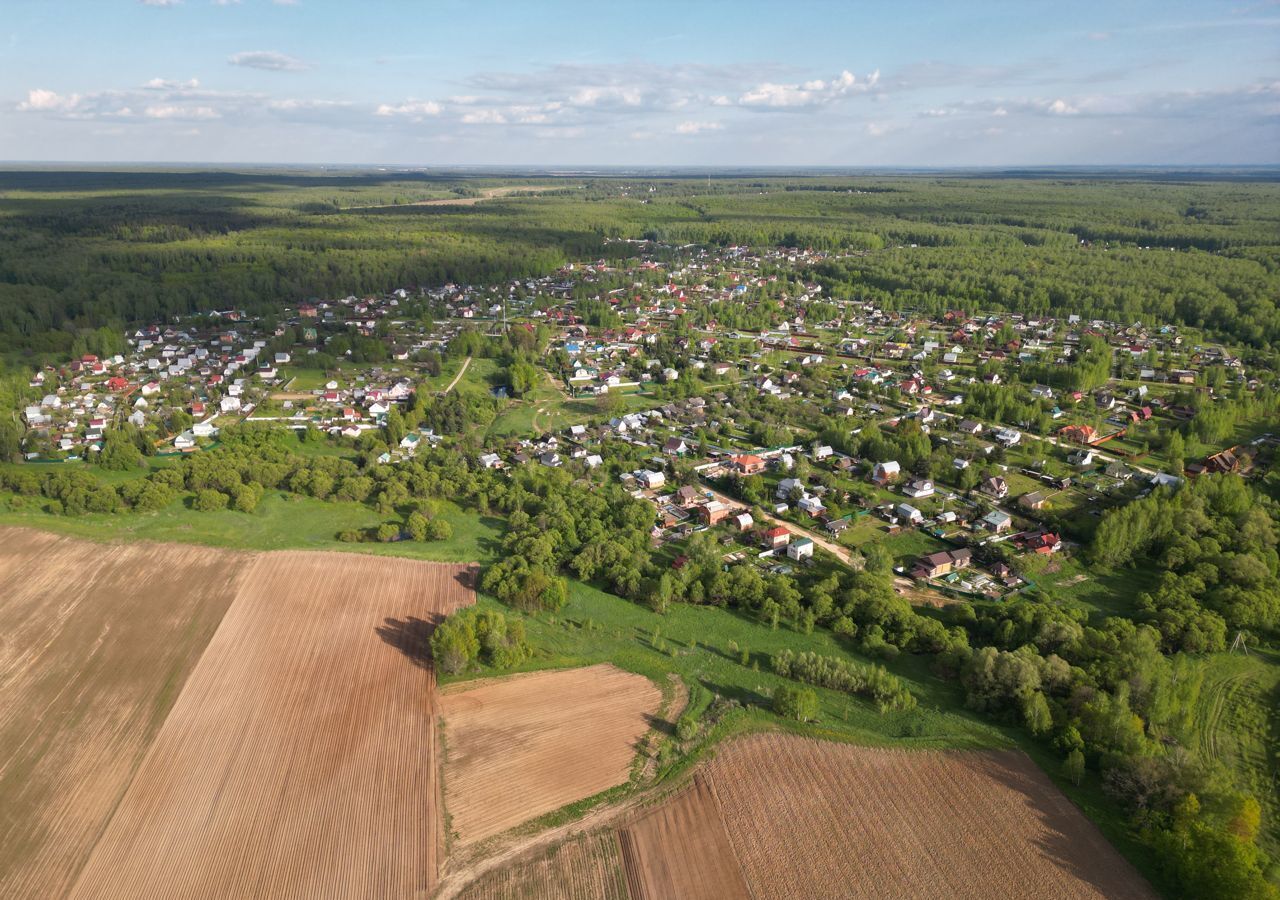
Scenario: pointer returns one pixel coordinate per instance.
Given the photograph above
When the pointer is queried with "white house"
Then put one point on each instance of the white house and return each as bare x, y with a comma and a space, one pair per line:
800, 548
921, 487
1008, 436
651, 480
909, 513
810, 504
785, 487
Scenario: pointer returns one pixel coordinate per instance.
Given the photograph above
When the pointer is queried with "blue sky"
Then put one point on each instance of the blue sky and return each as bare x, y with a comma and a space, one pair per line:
698, 82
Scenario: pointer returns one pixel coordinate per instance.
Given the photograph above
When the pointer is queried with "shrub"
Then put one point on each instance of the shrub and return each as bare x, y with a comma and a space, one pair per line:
209, 500
798, 703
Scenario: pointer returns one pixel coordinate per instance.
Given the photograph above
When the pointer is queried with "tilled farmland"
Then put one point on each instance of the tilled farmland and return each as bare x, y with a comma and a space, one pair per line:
680, 849
524, 746
95, 643
588, 868
298, 760
812, 819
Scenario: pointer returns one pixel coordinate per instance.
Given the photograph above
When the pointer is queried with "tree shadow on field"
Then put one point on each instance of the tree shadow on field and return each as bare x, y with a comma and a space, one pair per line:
1067, 840
468, 577
658, 724
411, 636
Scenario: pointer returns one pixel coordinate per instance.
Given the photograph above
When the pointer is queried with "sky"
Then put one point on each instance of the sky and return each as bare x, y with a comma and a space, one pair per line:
657, 83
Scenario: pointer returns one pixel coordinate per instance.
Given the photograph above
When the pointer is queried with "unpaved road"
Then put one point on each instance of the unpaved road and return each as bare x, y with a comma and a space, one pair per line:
456, 378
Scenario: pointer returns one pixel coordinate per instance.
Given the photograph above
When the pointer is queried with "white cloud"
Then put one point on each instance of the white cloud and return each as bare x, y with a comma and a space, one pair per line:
1061, 107
40, 100
268, 60
171, 111
166, 84
880, 129
160, 2
770, 95
416, 110
484, 117
698, 127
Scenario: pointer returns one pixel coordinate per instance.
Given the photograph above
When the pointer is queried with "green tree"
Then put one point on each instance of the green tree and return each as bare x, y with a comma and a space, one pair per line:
1073, 767
209, 500
454, 644
795, 702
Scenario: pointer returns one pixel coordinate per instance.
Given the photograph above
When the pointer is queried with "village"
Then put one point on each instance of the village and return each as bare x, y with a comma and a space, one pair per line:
723, 387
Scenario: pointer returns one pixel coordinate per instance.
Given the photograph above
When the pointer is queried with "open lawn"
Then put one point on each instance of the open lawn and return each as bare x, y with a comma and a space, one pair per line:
281, 522
1237, 722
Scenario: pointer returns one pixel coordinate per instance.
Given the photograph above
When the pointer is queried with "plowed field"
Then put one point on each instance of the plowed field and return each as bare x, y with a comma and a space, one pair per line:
96, 641
298, 760
681, 850
587, 868
810, 819
524, 746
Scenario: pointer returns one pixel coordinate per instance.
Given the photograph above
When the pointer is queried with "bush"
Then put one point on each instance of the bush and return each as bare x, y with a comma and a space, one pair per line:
454, 644
209, 500
798, 703
887, 691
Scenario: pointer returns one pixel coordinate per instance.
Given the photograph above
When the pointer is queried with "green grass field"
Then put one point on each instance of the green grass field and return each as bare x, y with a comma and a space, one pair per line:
697, 643
281, 522
1237, 722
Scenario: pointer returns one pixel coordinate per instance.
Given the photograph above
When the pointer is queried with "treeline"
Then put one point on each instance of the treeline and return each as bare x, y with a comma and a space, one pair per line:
886, 691
118, 252
1108, 699
1215, 541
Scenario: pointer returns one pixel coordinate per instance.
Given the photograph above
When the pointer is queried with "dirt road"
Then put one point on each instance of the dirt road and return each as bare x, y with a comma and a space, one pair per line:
456, 378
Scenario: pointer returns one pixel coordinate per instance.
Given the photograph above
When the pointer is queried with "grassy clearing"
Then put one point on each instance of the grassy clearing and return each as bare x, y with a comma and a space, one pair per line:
281, 522
1237, 722
697, 644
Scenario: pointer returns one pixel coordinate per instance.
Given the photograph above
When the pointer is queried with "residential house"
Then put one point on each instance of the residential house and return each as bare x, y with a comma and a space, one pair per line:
942, 563
886, 473
650, 480
909, 513
775, 537
921, 487
996, 521
713, 513
748, 464
801, 548
786, 486
1033, 500
995, 487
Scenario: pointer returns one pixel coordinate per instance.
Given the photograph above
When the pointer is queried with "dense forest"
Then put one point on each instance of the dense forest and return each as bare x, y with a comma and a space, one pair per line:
83, 250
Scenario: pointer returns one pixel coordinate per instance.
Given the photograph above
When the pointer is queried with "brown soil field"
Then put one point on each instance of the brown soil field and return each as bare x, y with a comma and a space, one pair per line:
298, 761
812, 819
520, 747
681, 850
96, 641
587, 868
